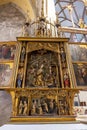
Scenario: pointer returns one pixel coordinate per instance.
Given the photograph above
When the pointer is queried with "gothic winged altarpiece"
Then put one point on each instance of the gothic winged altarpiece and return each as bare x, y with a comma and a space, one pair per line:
41, 83
43, 73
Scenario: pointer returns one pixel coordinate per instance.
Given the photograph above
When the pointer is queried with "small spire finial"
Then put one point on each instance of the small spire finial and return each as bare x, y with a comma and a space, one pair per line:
42, 9
57, 21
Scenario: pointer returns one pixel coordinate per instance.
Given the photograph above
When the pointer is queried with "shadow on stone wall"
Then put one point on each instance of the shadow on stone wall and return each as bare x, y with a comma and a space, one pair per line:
5, 107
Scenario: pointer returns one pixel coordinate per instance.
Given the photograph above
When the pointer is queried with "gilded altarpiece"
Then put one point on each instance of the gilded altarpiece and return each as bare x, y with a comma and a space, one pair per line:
42, 89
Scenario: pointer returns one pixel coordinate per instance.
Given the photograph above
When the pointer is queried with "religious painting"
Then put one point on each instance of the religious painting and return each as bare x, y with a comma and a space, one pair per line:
5, 74
7, 52
78, 52
80, 74
43, 106
23, 106
42, 69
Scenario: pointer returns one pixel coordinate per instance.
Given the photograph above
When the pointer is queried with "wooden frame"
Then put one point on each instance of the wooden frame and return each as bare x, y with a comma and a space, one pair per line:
78, 53
7, 56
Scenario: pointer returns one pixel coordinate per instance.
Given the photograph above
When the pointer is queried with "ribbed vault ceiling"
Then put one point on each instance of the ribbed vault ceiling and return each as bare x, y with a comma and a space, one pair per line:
71, 18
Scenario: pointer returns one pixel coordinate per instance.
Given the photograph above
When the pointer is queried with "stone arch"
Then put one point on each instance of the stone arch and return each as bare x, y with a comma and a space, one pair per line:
24, 5
18, 8
12, 19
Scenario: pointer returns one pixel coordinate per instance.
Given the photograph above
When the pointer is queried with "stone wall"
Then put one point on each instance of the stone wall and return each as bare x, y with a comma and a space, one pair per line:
11, 22
5, 107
